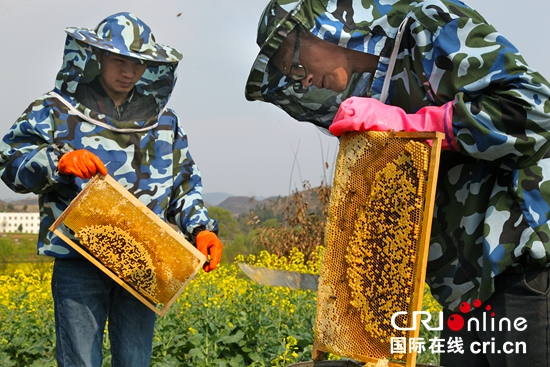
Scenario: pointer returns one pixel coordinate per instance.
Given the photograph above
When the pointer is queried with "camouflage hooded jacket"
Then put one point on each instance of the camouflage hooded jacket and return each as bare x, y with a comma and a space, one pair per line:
493, 194
150, 158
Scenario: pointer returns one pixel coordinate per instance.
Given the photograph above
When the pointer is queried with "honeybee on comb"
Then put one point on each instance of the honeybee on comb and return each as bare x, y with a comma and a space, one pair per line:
381, 253
122, 254
110, 227
376, 242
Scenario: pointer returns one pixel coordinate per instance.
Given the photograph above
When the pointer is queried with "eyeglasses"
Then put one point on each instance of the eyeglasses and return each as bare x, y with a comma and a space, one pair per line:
297, 71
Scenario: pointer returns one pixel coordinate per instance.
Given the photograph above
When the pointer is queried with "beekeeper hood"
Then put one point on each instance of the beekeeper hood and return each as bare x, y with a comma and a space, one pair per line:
364, 26
122, 34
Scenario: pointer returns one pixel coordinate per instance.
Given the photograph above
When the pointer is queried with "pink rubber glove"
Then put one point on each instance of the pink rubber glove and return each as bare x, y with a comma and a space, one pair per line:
81, 163
369, 114
211, 246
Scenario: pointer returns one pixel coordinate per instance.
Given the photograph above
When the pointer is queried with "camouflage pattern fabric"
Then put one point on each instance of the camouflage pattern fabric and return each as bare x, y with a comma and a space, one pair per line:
333, 21
498, 180
125, 34
150, 158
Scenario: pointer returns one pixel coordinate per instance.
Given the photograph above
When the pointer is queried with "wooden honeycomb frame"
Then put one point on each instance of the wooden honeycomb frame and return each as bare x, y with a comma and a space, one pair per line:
129, 243
359, 208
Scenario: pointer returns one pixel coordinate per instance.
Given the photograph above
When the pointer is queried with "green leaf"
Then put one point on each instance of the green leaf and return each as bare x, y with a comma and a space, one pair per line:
196, 353
235, 338
254, 356
238, 361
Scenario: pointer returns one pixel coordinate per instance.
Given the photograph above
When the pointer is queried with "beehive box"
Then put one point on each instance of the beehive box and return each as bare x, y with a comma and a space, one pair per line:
376, 243
130, 243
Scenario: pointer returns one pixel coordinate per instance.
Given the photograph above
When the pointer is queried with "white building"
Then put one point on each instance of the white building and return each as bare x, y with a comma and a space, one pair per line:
20, 222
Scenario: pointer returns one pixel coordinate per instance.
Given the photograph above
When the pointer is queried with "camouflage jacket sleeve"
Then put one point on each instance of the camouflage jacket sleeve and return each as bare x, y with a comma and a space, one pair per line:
490, 213
186, 208
29, 153
501, 105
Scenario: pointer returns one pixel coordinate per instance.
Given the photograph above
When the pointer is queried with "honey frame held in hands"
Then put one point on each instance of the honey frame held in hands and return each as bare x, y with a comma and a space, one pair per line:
129, 243
376, 244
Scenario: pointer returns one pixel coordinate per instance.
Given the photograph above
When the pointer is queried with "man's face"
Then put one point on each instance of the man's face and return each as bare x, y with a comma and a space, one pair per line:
327, 65
119, 74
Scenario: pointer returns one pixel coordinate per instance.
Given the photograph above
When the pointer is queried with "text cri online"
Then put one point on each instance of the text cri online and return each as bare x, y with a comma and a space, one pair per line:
485, 324
491, 347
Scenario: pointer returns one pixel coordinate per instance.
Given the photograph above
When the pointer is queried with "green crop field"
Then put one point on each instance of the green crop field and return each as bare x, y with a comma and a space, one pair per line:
221, 319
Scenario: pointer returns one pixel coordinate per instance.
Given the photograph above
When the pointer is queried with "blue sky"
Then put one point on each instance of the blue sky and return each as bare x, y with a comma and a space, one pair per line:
242, 148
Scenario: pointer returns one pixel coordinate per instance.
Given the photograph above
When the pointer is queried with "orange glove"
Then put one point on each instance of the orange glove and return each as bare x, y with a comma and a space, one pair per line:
81, 163
211, 246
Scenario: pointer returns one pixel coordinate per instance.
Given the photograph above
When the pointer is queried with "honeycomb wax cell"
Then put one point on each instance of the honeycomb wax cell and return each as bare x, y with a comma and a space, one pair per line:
373, 234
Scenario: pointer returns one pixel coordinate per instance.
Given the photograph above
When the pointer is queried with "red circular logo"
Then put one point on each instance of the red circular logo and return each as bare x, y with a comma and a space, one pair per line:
465, 307
455, 322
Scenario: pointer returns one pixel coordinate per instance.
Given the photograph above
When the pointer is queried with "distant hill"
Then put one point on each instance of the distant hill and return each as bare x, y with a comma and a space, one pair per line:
235, 204
242, 204
214, 198
28, 205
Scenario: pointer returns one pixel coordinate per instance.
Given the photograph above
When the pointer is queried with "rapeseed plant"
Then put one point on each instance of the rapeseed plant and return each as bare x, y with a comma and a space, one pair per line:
221, 319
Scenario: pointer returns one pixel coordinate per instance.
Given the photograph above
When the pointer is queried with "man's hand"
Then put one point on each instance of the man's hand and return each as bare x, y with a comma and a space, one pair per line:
81, 163
211, 246
369, 114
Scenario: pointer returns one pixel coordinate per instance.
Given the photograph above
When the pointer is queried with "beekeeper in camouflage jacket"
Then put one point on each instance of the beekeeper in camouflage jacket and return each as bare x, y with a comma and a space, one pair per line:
435, 65
108, 114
